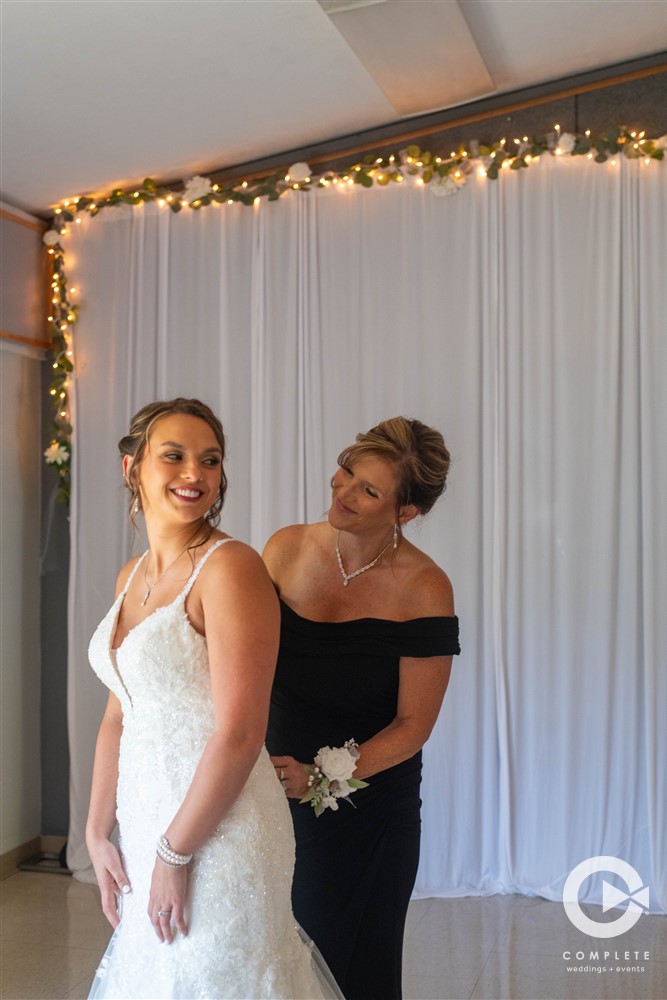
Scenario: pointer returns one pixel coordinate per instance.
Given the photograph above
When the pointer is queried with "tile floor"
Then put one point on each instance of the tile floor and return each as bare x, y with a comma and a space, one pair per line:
478, 948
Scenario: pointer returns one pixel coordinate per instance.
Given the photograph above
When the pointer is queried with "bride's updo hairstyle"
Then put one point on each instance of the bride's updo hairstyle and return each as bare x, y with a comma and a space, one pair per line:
417, 452
135, 444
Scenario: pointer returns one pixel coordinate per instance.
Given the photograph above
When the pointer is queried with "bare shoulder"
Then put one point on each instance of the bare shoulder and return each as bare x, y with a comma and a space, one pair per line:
431, 588
288, 545
126, 573
286, 540
234, 559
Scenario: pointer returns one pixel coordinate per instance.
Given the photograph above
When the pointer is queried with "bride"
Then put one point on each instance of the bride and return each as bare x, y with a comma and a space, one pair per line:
188, 651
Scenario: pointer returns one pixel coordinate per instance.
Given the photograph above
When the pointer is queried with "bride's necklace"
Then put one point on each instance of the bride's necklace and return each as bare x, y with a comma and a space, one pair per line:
350, 576
155, 582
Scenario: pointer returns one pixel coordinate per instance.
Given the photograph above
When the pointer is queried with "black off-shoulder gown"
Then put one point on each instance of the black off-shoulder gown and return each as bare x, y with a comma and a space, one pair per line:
355, 867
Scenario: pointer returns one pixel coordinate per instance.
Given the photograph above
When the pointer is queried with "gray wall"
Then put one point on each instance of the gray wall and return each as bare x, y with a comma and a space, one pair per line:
55, 579
21, 365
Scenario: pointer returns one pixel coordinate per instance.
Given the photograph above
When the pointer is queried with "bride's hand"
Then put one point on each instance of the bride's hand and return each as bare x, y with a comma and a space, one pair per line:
111, 877
292, 776
166, 905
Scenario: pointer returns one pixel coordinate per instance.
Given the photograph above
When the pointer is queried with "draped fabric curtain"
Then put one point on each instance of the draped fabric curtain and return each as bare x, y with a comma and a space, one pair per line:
525, 319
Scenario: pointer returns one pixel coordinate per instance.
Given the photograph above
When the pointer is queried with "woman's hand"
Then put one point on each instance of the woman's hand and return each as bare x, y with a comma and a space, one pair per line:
292, 776
166, 904
111, 877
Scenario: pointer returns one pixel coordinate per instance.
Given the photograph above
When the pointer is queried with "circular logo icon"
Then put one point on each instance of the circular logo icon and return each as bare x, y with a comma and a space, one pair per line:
611, 897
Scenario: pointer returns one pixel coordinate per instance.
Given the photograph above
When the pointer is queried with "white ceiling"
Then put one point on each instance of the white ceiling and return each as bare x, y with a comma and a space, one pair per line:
102, 93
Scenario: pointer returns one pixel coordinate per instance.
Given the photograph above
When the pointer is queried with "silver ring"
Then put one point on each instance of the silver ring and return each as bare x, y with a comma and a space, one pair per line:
164, 913
282, 774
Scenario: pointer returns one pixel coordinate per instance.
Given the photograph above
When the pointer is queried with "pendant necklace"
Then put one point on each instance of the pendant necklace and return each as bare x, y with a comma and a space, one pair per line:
155, 583
350, 576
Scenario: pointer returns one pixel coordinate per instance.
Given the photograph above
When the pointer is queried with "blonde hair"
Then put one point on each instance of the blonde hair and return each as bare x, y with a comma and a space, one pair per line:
417, 452
135, 444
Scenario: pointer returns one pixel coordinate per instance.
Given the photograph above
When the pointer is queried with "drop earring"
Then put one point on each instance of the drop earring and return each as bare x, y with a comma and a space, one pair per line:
395, 536
135, 508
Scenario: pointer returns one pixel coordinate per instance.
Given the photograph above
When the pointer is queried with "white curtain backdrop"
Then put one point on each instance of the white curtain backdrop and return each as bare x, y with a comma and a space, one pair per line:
525, 319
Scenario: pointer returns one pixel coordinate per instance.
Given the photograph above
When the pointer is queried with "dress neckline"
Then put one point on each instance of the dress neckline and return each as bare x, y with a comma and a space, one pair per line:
357, 621
181, 595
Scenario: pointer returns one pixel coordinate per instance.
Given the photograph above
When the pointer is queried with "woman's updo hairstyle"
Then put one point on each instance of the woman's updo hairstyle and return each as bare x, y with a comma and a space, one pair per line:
417, 452
135, 444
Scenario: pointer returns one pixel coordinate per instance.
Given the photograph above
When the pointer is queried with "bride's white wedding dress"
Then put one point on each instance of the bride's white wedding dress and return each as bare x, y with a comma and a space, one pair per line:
243, 941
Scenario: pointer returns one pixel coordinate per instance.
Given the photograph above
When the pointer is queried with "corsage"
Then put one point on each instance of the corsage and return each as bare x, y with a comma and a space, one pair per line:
330, 776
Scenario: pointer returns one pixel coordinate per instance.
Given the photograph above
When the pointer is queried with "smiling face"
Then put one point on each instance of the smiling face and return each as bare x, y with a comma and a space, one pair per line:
180, 473
364, 496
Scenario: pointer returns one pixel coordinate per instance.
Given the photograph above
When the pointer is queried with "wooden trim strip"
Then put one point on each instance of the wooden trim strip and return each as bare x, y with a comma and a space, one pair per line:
24, 222
30, 341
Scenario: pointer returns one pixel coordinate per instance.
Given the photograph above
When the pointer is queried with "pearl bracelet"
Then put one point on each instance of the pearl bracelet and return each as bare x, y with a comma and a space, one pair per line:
170, 857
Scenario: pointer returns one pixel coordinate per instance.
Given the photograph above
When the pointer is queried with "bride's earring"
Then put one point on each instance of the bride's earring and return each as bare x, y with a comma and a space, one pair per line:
395, 536
136, 508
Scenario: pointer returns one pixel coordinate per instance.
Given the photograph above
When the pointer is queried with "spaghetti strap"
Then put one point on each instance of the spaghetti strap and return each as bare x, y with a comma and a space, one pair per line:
131, 576
195, 573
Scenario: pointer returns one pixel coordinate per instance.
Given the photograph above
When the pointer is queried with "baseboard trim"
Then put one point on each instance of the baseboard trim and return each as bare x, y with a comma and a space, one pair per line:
10, 860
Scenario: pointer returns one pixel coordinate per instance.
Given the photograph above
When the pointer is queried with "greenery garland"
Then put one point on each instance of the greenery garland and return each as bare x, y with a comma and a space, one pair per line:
444, 176
62, 317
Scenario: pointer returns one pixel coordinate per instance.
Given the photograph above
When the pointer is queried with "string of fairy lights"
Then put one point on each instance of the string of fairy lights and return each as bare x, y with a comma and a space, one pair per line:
442, 175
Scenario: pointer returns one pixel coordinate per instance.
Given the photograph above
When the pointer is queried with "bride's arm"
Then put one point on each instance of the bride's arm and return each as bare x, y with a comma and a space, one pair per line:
108, 867
242, 623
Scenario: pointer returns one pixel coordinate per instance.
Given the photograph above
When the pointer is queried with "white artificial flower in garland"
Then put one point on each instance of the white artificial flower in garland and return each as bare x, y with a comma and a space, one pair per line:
196, 188
299, 172
51, 237
444, 186
56, 454
567, 142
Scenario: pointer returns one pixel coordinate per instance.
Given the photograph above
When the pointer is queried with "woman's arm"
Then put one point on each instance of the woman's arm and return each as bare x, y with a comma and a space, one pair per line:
106, 860
102, 812
242, 624
422, 687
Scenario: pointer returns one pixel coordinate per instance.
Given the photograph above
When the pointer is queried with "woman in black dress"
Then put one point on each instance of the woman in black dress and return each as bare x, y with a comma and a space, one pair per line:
367, 636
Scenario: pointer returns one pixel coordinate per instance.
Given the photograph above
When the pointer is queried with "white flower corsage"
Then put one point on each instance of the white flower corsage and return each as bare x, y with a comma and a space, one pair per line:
330, 776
